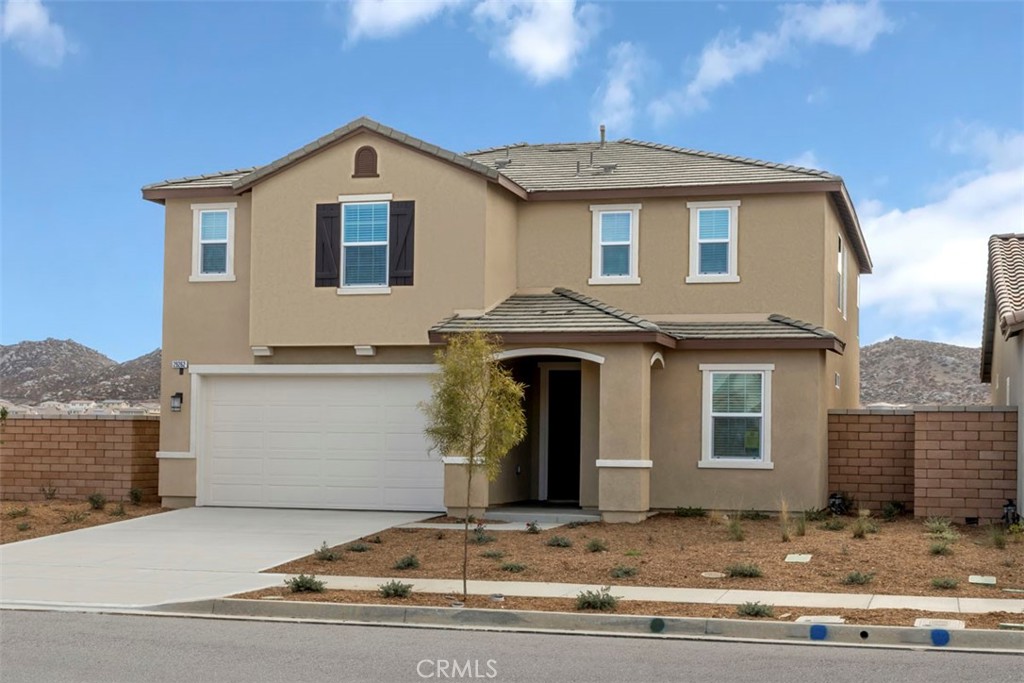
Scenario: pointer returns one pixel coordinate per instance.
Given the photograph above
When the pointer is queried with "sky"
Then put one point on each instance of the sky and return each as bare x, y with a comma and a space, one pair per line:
918, 106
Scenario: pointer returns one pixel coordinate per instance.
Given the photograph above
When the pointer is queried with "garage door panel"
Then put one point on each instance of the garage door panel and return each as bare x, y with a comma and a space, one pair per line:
342, 442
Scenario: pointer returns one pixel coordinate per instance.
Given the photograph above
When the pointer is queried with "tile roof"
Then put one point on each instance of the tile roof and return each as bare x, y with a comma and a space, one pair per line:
220, 179
1004, 295
631, 164
775, 327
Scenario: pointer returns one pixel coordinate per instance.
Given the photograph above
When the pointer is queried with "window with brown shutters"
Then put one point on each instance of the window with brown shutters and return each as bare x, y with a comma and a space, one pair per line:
328, 245
401, 243
366, 163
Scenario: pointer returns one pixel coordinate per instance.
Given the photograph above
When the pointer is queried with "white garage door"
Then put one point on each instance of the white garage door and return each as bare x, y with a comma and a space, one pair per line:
346, 442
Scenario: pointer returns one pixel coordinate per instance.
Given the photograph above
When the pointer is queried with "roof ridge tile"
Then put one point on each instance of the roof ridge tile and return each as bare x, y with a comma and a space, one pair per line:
606, 308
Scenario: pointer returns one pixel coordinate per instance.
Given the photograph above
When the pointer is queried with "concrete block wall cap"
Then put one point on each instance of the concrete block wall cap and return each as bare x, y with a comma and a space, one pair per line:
838, 411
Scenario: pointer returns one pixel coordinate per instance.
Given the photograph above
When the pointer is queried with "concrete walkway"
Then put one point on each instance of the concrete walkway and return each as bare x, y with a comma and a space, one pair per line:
175, 556
692, 595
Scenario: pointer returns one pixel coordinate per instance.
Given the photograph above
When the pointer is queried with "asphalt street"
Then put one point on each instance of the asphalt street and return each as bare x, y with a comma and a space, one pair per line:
39, 647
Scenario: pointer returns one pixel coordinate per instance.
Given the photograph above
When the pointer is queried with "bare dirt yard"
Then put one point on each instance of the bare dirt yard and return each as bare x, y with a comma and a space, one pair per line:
901, 557
22, 521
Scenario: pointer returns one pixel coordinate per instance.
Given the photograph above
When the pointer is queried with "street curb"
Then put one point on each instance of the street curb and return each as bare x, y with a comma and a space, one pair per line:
609, 624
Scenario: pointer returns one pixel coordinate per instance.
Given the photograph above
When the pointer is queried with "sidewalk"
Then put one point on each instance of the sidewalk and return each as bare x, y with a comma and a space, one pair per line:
691, 595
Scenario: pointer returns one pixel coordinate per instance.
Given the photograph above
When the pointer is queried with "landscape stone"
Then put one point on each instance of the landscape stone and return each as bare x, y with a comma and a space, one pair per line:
797, 557
982, 580
713, 575
948, 624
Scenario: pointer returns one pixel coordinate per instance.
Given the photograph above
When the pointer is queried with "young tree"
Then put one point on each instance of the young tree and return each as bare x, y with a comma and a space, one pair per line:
476, 411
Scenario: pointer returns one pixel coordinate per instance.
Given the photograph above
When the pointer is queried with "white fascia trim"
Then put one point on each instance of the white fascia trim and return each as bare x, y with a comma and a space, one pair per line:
613, 281
356, 291
738, 367
212, 277
695, 277
175, 455
353, 369
626, 464
355, 198
738, 465
549, 351
634, 245
196, 275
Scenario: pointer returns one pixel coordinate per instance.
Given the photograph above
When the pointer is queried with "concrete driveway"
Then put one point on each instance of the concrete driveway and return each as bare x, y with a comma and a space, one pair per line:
189, 554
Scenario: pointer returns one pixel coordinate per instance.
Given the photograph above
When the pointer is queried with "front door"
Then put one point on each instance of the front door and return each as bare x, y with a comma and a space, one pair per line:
563, 435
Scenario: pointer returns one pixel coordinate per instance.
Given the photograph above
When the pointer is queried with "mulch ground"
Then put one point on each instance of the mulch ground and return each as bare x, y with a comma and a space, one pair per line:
877, 617
22, 521
671, 551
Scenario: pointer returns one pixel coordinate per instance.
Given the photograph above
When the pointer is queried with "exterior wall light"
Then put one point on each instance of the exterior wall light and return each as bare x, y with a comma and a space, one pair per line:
176, 401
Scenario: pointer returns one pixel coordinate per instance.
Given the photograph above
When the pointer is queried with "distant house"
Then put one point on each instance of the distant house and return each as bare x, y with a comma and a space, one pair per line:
1002, 341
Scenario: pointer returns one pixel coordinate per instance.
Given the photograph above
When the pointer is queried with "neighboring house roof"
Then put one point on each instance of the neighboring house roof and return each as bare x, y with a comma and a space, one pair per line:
1004, 295
567, 316
619, 169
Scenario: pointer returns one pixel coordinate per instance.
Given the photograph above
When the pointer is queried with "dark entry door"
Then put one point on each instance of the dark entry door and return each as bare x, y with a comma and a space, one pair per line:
564, 435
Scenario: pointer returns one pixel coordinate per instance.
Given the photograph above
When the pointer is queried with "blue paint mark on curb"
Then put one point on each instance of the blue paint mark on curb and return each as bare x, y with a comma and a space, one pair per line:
940, 637
819, 632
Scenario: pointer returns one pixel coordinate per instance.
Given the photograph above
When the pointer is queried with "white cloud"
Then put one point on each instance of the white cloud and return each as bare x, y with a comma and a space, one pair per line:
615, 101
543, 38
387, 18
28, 26
817, 96
931, 260
806, 159
849, 25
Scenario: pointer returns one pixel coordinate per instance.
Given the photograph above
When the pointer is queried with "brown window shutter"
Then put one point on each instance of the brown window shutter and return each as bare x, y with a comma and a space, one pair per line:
328, 245
366, 163
402, 239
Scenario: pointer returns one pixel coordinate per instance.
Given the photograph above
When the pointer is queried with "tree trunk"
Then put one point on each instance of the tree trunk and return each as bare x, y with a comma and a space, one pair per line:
465, 535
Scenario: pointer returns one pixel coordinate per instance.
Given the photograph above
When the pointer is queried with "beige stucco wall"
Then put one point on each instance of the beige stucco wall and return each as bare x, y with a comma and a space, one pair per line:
780, 252
451, 203
1006, 369
590, 412
500, 240
799, 439
846, 327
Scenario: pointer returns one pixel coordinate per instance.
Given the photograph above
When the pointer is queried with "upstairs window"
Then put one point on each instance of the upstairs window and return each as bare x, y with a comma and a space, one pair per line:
213, 237
615, 255
713, 241
365, 163
364, 245
841, 277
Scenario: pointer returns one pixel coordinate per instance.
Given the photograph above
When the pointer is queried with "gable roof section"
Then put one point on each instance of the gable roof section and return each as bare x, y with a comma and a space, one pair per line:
570, 317
220, 179
1004, 295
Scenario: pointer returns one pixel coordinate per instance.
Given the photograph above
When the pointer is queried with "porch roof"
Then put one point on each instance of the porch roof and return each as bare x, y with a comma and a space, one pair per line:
563, 315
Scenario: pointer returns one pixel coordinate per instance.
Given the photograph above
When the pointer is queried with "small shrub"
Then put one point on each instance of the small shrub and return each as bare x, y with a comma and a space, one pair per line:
745, 571
864, 525
833, 524
97, 501
394, 589
800, 528
601, 600
950, 536
49, 492
305, 584
135, 496
17, 512
117, 511
691, 512
560, 542
945, 582
493, 554
576, 524
325, 553
375, 539
1016, 531
479, 536
73, 516
753, 515
784, 521
938, 525
892, 510
408, 562
439, 535
24, 526
357, 547
755, 609
816, 514
858, 578
596, 545
735, 527
940, 548
532, 528
633, 553
622, 571
997, 536
513, 567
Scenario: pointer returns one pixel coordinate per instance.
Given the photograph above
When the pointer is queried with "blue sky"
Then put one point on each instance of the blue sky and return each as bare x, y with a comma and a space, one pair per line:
919, 106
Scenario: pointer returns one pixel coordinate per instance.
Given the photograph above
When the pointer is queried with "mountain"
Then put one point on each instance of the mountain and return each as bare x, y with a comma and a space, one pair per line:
920, 372
64, 370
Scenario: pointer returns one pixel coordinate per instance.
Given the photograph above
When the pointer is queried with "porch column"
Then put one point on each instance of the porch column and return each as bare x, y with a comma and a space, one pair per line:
624, 459
456, 473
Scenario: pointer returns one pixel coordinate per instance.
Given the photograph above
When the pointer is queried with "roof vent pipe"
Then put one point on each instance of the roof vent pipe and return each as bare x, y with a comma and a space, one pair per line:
577, 169
602, 136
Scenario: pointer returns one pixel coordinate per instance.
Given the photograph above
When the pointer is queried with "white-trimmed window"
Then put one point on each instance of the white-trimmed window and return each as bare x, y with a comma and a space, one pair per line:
364, 245
616, 244
736, 416
714, 233
841, 277
213, 242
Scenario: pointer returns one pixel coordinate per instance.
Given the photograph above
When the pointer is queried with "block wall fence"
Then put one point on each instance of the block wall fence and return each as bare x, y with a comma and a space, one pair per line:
944, 461
79, 455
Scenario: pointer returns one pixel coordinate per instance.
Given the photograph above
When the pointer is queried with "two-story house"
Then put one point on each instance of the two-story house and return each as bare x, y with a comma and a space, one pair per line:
683, 322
